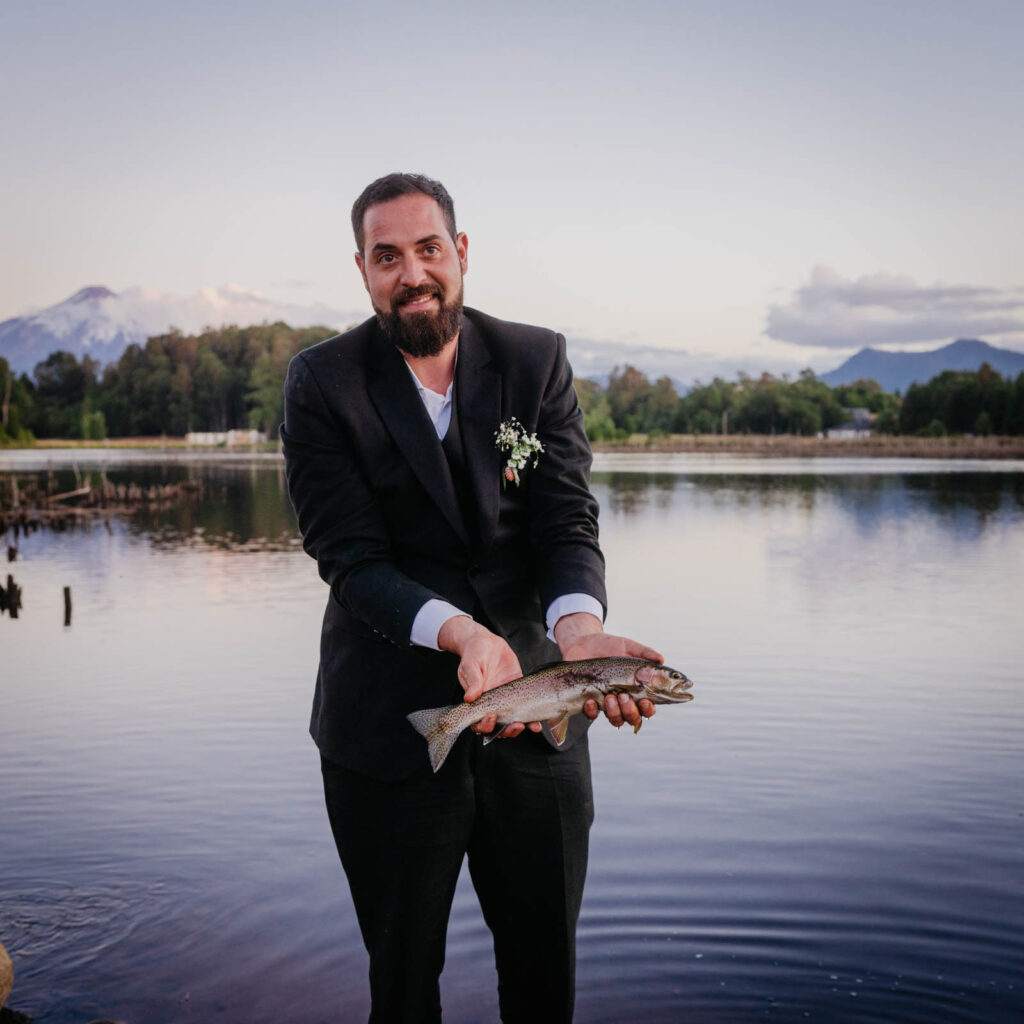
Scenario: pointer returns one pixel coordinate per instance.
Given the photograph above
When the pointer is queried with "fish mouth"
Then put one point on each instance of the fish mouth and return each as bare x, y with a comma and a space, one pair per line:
664, 682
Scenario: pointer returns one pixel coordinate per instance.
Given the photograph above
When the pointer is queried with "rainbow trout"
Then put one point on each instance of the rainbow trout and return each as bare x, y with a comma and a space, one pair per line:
553, 693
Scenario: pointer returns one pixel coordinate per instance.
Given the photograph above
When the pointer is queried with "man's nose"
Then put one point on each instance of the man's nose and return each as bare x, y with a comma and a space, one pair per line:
413, 274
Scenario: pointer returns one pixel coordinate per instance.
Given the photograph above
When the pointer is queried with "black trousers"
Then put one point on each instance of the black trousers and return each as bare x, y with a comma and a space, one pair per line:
522, 812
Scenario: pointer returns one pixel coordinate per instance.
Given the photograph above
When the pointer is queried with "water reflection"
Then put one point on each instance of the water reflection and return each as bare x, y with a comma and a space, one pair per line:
830, 830
244, 506
867, 498
237, 506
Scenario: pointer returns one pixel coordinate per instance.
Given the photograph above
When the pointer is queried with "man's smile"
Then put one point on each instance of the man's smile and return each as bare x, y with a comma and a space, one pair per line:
418, 300
419, 303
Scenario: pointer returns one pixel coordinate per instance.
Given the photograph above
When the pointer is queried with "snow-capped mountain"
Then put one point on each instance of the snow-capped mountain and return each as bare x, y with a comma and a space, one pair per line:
101, 324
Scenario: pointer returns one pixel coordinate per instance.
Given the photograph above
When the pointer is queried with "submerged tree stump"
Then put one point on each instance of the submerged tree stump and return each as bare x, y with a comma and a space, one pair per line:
10, 597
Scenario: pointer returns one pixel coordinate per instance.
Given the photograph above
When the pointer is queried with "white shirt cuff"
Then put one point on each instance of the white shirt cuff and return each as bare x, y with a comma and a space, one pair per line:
568, 604
429, 620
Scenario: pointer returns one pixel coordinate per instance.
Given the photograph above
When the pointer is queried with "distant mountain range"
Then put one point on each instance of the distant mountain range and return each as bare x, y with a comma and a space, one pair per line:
100, 323
82, 324
896, 371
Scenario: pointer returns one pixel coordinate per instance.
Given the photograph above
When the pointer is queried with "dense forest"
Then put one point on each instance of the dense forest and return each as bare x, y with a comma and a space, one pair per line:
979, 402
233, 377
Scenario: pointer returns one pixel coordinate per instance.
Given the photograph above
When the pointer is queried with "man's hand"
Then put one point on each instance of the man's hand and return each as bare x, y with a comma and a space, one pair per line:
486, 661
582, 636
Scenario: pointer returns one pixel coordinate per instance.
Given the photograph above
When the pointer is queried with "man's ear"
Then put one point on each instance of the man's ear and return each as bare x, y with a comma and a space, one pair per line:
362, 270
462, 247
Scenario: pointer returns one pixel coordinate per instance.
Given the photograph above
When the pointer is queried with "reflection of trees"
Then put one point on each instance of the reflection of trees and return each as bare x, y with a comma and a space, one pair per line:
629, 493
237, 505
243, 507
870, 499
984, 494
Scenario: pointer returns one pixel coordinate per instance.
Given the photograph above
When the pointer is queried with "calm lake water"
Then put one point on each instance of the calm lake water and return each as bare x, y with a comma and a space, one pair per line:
832, 830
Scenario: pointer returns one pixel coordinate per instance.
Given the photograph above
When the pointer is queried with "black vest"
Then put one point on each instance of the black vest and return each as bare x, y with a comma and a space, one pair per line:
454, 452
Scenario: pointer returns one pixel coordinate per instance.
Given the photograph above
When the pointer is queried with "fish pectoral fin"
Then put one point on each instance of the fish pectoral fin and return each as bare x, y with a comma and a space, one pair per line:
636, 728
496, 733
559, 728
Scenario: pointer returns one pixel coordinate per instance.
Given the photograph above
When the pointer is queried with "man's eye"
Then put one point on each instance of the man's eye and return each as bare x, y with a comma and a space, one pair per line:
432, 250
386, 257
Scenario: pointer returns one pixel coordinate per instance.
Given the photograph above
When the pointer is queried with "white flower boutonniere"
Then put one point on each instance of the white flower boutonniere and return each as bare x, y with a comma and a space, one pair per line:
511, 437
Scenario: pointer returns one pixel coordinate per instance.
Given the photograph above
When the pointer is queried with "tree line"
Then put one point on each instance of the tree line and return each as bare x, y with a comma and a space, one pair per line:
230, 378
954, 402
233, 377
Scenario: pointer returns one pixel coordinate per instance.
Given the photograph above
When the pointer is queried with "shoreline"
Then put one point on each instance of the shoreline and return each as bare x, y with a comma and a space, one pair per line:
758, 445
793, 446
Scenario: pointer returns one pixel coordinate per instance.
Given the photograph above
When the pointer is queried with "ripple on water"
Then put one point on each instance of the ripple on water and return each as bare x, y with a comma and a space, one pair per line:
818, 959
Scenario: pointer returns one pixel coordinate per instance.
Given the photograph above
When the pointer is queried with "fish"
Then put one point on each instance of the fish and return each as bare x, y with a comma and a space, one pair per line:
553, 693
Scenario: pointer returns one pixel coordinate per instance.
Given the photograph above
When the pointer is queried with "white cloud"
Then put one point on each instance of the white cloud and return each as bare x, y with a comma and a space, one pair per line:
885, 309
144, 312
229, 304
597, 359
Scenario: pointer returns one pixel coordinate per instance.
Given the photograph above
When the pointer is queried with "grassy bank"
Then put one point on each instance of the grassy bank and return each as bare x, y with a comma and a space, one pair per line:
792, 446
777, 445
150, 443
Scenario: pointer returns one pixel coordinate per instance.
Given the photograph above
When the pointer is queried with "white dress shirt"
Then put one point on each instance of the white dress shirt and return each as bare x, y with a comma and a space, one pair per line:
435, 613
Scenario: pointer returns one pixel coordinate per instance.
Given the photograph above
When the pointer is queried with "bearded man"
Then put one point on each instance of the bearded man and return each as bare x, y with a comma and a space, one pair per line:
447, 580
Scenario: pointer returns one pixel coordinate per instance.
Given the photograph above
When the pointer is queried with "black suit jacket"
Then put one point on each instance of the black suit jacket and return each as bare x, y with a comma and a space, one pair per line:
378, 510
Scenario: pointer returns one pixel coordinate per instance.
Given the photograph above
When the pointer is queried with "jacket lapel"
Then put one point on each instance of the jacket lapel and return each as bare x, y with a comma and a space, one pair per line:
395, 397
478, 397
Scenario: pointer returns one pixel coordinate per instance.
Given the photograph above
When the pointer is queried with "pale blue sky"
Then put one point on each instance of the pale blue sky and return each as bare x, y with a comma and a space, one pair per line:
661, 173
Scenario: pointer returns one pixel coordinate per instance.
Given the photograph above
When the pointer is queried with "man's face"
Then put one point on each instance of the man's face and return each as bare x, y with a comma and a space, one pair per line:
413, 270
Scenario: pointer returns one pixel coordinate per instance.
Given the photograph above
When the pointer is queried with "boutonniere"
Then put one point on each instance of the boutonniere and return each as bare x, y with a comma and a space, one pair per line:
511, 437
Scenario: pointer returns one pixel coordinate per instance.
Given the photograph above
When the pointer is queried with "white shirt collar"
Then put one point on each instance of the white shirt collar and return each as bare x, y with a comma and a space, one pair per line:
439, 407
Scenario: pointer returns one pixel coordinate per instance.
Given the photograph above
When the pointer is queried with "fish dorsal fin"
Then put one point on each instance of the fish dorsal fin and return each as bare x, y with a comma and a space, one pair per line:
560, 729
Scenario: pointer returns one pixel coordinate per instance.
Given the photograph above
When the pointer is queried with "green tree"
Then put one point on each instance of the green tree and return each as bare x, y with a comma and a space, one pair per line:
61, 387
16, 406
628, 390
94, 424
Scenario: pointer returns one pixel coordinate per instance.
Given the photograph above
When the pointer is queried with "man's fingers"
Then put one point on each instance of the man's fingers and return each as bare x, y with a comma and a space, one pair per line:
612, 710
647, 709
591, 709
629, 709
634, 649
486, 724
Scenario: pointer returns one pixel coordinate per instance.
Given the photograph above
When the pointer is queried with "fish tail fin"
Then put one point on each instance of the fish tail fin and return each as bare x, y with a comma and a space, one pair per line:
429, 723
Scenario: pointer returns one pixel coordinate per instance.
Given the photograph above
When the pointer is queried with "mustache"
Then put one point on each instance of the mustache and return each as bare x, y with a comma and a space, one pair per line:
408, 294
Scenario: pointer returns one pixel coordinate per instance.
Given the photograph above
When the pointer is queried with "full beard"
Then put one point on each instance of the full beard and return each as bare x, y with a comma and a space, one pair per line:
421, 334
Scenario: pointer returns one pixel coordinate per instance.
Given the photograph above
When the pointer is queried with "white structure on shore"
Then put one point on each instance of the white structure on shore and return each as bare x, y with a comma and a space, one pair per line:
225, 438
858, 426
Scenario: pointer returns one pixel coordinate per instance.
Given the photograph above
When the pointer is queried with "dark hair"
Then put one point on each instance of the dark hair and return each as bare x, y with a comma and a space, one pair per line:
391, 186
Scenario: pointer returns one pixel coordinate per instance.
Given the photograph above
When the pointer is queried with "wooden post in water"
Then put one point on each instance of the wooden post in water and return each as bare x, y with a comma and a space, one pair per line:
12, 597
67, 606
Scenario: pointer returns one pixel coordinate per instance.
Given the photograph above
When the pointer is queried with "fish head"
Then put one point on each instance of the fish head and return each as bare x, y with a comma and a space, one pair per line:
663, 685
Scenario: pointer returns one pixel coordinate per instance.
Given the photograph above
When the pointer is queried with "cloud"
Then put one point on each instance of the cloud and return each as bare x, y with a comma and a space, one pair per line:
142, 312
597, 359
228, 304
885, 309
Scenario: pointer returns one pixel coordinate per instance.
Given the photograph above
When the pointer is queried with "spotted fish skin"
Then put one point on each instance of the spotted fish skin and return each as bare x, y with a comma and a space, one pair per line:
553, 693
